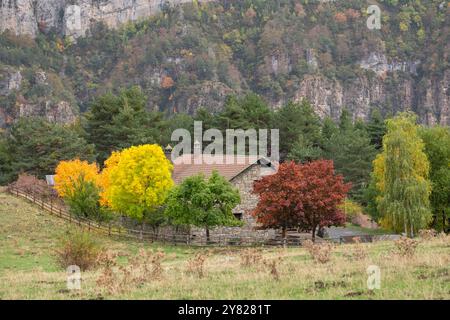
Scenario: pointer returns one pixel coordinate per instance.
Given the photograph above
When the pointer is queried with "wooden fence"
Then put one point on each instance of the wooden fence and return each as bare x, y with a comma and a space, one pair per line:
121, 232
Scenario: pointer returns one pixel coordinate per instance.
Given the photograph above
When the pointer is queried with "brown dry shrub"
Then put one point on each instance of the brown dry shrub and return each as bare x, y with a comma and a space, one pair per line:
196, 265
359, 250
273, 267
78, 248
141, 268
250, 257
32, 185
427, 234
321, 253
406, 247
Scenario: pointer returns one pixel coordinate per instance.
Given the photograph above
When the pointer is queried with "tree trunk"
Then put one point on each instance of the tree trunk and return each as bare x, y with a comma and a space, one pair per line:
314, 234
207, 235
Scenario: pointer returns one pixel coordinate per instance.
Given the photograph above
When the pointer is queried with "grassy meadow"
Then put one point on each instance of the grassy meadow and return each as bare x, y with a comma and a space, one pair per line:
29, 269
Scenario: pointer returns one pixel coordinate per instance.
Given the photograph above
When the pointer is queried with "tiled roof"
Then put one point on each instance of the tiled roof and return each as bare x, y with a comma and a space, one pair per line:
188, 165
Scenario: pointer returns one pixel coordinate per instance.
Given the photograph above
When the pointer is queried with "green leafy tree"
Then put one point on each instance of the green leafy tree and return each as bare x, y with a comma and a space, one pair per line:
437, 149
204, 203
84, 201
402, 172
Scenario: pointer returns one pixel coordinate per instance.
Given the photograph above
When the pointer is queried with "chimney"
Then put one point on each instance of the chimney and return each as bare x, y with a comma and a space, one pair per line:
168, 152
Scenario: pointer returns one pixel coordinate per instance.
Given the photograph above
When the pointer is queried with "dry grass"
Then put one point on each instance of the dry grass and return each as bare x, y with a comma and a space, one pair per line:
135, 271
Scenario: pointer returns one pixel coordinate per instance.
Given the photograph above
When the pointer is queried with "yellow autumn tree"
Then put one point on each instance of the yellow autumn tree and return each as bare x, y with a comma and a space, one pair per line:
104, 181
401, 174
69, 173
136, 181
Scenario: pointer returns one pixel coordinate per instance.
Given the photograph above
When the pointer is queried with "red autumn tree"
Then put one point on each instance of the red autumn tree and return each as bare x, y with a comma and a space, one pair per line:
305, 196
321, 198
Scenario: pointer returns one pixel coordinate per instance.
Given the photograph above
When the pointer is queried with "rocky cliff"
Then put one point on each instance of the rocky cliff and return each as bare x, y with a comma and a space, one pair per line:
74, 18
193, 54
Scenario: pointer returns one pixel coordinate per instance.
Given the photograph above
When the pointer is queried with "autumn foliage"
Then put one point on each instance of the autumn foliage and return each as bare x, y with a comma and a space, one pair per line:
136, 181
69, 173
304, 196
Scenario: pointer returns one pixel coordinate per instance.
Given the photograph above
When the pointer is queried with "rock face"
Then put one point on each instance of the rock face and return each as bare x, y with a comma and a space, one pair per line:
288, 71
10, 80
74, 17
60, 112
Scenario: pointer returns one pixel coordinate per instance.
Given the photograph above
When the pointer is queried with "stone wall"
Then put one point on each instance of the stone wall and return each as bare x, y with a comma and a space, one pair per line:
244, 182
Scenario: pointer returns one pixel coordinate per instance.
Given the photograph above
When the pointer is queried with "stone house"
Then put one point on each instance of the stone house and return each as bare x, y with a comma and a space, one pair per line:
241, 171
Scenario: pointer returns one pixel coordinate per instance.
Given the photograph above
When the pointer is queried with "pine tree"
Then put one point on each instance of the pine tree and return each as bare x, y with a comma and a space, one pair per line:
116, 122
37, 146
376, 127
350, 148
300, 127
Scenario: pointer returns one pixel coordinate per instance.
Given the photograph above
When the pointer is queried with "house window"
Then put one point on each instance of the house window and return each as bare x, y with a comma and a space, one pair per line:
238, 216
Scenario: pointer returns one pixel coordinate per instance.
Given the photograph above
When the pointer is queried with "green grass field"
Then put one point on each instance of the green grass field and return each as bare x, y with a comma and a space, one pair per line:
28, 268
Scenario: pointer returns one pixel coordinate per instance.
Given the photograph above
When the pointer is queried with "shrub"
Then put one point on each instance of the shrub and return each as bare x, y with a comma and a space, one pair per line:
273, 266
33, 185
84, 201
196, 265
78, 248
359, 251
427, 234
406, 247
250, 257
142, 268
351, 209
321, 253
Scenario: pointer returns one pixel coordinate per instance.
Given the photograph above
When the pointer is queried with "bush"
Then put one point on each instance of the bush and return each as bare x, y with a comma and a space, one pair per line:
78, 248
406, 247
427, 234
250, 258
196, 265
351, 209
84, 201
321, 253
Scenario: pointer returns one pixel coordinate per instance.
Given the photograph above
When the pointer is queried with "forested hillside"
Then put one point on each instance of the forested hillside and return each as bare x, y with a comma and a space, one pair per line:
196, 54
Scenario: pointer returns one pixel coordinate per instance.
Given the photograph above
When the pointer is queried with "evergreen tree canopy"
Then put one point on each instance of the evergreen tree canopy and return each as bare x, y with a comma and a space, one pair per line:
116, 122
37, 146
299, 126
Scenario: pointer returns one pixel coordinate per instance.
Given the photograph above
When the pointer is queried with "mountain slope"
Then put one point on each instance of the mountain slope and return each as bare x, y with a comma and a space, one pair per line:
195, 54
